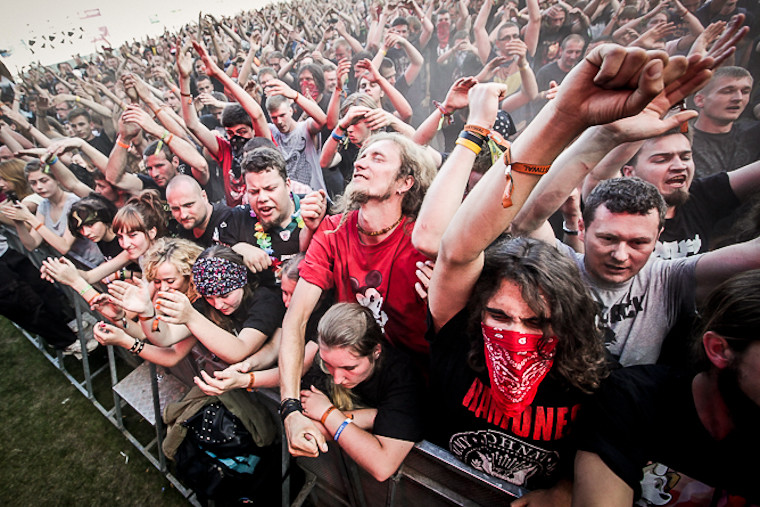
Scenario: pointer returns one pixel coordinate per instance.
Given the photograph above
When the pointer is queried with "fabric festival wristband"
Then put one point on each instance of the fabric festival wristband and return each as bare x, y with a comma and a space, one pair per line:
342, 426
84, 291
469, 144
337, 137
477, 129
252, 381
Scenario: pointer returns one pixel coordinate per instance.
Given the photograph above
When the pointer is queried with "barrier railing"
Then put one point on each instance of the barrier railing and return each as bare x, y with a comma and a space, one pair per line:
429, 474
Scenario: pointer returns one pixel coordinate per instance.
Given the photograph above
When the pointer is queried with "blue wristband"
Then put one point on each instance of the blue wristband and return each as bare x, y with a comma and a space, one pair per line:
337, 137
342, 426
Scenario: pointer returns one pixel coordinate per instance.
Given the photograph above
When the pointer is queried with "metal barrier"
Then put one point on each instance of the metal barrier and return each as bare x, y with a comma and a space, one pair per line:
429, 474
151, 450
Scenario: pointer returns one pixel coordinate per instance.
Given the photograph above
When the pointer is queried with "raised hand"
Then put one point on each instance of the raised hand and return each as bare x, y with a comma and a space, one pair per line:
457, 96
313, 209
133, 298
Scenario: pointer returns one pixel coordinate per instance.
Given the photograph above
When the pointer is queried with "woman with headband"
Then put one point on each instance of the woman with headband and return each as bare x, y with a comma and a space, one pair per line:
231, 320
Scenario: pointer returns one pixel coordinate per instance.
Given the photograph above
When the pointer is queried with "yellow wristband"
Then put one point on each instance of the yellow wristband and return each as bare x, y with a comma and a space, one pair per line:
468, 144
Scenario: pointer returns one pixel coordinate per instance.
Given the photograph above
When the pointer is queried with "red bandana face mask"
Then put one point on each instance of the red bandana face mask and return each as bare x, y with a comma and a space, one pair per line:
309, 89
516, 366
443, 33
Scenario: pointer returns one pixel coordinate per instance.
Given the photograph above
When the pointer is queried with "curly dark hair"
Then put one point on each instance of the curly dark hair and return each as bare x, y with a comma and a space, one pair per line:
552, 287
624, 195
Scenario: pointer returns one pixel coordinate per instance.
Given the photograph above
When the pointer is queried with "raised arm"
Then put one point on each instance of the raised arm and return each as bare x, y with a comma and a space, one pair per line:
116, 168
62, 173
184, 150
533, 28
612, 82
317, 117
481, 34
189, 114
252, 107
400, 104
445, 194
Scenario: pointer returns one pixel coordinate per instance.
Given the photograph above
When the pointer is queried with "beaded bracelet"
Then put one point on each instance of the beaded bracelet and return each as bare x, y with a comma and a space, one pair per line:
342, 426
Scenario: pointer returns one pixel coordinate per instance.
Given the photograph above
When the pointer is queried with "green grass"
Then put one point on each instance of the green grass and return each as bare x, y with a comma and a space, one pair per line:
57, 448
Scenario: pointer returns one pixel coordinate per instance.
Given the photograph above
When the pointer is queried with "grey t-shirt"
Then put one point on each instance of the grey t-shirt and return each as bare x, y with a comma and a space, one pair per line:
636, 315
82, 249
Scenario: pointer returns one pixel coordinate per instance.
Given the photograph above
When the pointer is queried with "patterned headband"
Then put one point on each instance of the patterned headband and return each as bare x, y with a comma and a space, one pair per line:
215, 277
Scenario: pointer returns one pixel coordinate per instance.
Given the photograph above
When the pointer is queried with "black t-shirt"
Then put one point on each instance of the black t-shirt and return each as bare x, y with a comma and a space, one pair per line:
210, 236
263, 312
109, 249
714, 153
102, 143
532, 450
647, 413
688, 232
241, 228
394, 389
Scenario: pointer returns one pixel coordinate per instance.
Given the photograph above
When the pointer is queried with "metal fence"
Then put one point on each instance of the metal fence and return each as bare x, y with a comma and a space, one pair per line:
429, 476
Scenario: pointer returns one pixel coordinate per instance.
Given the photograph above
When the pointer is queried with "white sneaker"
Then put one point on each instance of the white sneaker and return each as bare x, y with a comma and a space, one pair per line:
73, 349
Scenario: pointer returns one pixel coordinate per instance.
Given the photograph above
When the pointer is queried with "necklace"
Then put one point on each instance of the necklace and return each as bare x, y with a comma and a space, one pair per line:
381, 231
264, 240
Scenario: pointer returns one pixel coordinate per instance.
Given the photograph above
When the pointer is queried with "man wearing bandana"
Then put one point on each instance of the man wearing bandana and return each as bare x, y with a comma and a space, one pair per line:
515, 351
241, 122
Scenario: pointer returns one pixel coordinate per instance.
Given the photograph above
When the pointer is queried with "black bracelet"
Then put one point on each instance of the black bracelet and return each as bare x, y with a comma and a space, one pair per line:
475, 138
288, 406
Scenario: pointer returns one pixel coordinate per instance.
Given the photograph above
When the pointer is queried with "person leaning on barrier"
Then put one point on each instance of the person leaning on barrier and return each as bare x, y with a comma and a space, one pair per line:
523, 310
712, 417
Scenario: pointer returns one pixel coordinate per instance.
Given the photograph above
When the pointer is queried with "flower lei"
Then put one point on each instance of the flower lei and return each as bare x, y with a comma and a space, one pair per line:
264, 240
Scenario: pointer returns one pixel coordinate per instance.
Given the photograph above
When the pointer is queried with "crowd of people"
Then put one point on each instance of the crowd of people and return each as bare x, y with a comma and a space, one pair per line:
524, 231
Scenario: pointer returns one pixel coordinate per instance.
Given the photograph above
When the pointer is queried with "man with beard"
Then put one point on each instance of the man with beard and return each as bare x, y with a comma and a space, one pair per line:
240, 121
277, 223
694, 205
365, 253
699, 425
200, 220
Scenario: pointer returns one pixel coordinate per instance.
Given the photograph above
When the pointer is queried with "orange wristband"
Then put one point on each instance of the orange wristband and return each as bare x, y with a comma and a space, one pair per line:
121, 144
249, 387
477, 129
326, 414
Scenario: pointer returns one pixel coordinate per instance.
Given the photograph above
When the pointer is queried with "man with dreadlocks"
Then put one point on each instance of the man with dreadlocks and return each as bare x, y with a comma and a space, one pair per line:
365, 253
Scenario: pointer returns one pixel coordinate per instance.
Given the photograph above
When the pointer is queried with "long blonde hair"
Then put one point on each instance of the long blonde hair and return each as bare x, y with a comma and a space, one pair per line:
348, 325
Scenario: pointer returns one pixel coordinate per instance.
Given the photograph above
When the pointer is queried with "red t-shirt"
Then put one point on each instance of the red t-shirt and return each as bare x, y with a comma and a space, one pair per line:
341, 261
234, 188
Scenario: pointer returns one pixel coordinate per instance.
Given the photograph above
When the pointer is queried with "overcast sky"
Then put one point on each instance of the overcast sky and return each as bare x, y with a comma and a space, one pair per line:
86, 20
